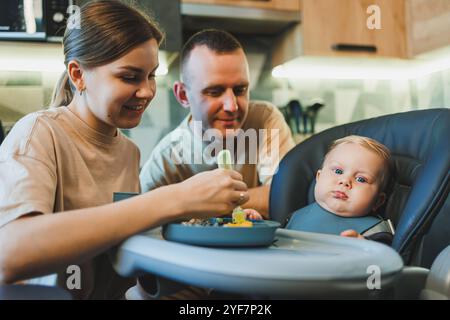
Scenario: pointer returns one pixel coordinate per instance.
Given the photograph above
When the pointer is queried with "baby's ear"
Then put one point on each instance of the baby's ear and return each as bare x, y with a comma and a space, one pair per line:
381, 199
318, 174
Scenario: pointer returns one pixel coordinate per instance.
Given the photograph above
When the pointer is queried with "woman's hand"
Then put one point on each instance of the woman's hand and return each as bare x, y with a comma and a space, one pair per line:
211, 193
351, 234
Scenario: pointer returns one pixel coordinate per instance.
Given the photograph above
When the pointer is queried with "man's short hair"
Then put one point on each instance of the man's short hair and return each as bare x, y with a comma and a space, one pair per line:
371, 145
218, 41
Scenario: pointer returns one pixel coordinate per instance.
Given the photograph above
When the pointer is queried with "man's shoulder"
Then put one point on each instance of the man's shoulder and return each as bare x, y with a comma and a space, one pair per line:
260, 105
262, 114
263, 109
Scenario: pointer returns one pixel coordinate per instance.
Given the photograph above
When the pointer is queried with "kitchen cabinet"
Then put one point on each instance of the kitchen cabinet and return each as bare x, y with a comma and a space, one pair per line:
331, 27
349, 27
286, 5
255, 17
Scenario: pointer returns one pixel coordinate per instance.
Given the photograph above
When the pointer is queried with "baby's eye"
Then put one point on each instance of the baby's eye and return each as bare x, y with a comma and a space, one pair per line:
361, 179
338, 171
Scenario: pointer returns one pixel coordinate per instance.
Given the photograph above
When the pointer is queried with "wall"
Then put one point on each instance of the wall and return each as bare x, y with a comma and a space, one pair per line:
22, 92
359, 88
352, 100
25, 92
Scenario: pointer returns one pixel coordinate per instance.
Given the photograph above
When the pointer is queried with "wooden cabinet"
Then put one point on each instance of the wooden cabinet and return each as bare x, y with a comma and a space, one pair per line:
284, 5
429, 25
251, 17
334, 27
347, 27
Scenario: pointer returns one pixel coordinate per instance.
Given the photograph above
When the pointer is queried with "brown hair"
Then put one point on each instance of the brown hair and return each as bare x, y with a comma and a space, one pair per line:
218, 41
371, 145
107, 30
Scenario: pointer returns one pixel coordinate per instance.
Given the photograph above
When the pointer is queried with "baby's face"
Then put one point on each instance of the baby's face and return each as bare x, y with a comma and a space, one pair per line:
349, 182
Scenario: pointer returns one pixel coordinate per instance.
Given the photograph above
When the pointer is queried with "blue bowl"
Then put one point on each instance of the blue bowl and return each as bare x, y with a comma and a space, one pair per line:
261, 234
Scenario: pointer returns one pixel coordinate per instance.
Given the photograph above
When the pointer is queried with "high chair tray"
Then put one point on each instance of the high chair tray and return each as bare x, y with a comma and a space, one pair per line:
298, 264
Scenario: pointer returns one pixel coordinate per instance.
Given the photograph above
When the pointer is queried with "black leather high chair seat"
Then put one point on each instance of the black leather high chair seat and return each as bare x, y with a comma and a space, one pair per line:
2, 134
418, 204
32, 292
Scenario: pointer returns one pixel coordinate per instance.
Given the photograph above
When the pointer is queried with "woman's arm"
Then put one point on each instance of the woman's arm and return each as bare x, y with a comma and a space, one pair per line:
42, 244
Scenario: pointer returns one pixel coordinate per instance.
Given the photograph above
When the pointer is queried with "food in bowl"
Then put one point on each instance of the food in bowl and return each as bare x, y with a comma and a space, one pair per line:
217, 222
245, 224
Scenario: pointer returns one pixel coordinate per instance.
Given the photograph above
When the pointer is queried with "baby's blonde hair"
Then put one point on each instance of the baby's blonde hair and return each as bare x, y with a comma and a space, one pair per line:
371, 145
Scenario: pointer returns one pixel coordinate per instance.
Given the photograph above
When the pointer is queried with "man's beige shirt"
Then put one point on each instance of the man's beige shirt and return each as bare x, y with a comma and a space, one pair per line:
182, 154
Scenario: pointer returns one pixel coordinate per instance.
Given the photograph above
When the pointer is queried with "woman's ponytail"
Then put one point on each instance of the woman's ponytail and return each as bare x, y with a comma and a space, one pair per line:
62, 93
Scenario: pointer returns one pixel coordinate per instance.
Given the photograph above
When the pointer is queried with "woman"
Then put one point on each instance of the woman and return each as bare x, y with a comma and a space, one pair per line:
69, 160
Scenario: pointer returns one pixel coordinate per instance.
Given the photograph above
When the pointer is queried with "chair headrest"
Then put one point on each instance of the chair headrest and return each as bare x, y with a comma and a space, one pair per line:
2, 133
420, 148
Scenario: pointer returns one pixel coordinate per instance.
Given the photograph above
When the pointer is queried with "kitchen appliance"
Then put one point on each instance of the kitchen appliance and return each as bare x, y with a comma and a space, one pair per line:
35, 20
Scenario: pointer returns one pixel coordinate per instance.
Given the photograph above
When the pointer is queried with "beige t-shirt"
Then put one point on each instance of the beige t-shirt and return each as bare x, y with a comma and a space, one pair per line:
52, 161
182, 153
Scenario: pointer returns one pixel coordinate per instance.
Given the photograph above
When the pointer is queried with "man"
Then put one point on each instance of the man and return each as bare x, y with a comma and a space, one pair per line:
215, 87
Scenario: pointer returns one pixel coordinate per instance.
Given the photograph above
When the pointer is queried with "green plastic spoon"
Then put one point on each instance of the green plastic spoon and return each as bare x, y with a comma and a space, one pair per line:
224, 161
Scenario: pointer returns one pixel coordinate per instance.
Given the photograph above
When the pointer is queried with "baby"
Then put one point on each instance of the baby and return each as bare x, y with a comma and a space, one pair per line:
349, 189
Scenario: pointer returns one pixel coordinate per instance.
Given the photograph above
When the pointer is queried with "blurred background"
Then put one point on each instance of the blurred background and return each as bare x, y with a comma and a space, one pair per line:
322, 62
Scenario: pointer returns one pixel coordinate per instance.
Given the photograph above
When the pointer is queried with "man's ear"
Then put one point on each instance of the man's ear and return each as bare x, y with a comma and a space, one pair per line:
179, 90
75, 72
381, 199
